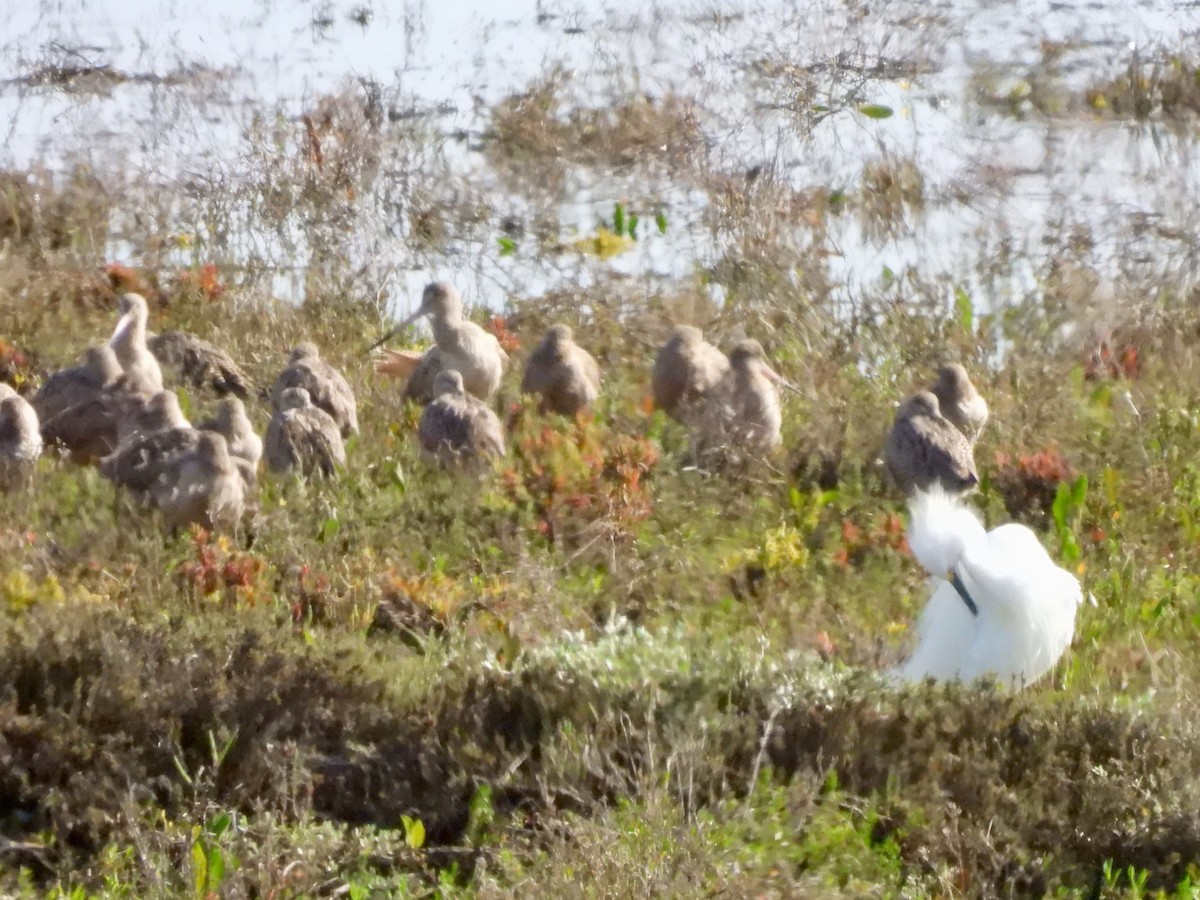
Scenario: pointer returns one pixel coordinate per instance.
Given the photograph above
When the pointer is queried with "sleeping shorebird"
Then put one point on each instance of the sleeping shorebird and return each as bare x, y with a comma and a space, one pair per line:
20, 440
303, 437
82, 408
742, 413
200, 363
685, 370
923, 449
565, 375
325, 385
457, 427
960, 402
461, 345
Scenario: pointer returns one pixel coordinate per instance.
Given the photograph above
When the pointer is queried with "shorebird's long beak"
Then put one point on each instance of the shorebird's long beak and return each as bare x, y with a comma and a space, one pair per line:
780, 380
123, 325
395, 331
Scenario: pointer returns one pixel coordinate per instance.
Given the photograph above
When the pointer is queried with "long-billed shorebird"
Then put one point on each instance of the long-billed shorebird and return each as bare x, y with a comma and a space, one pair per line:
565, 375
20, 440
741, 412
923, 448
81, 408
960, 402
303, 437
231, 422
201, 486
325, 385
686, 368
461, 345
200, 363
128, 341
160, 413
456, 427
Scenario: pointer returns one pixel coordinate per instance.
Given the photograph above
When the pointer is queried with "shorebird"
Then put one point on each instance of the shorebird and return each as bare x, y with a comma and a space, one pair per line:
303, 437
685, 370
1001, 607
20, 440
201, 486
82, 408
325, 386
128, 341
565, 375
923, 448
200, 363
460, 344
960, 402
145, 456
232, 423
457, 427
741, 412
160, 413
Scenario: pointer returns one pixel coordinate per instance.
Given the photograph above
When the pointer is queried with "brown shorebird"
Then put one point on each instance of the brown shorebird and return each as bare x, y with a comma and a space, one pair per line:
200, 363
160, 413
685, 370
128, 341
565, 375
325, 386
201, 486
20, 440
924, 448
741, 412
302, 437
960, 402
82, 408
145, 455
231, 422
457, 427
461, 344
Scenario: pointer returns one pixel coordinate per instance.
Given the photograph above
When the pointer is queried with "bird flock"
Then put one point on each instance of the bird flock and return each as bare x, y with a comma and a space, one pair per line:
999, 606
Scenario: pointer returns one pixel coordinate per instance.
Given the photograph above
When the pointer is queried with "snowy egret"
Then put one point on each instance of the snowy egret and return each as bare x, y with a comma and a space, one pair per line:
303, 437
685, 370
565, 375
960, 402
325, 385
923, 448
1000, 607
461, 345
457, 427
20, 440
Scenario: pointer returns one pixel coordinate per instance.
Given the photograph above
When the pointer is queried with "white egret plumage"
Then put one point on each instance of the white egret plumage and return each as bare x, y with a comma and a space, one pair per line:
1000, 606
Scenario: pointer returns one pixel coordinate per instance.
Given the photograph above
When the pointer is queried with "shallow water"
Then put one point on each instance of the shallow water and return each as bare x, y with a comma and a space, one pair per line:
451, 61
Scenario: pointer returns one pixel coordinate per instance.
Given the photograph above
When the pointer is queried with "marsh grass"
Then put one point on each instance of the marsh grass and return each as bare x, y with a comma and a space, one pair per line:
595, 669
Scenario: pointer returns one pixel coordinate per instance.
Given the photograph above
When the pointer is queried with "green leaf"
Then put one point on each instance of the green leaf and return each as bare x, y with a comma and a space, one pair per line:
216, 869
199, 869
329, 529
660, 219
507, 246
964, 309
414, 832
876, 111
633, 224
1079, 491
618, 219
221, 823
